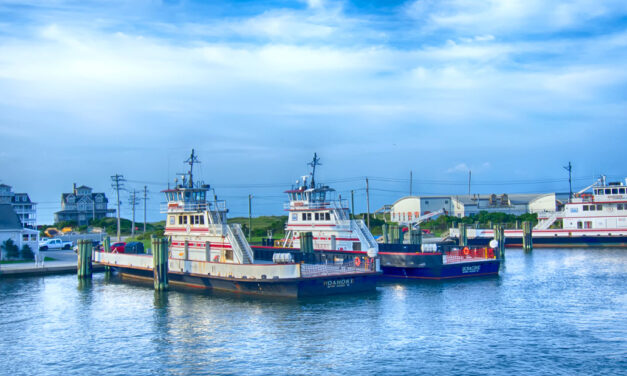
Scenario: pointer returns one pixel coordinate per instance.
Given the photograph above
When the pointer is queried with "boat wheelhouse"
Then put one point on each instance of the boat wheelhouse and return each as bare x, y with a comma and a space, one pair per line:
205, 251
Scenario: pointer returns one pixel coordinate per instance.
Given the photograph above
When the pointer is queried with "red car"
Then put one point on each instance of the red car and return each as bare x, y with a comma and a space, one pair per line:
118, 247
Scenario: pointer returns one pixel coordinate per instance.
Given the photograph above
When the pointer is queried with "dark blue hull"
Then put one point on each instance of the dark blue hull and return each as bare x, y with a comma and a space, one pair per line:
289, 288
446, 271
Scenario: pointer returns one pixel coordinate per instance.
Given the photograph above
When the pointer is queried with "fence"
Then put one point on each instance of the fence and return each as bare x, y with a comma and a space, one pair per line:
467, 254
345, 267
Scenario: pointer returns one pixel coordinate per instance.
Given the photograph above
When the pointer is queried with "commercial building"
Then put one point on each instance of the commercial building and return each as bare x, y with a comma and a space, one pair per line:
25, 209
407, 209
82, 205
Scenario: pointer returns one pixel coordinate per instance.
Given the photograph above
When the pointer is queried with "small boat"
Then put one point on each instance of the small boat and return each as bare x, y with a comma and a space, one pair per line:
208, 253
595, 219
314, 210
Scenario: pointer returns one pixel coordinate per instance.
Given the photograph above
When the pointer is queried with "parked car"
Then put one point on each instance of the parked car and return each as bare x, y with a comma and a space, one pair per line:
55, 243
134, 248
95, 243
118, 247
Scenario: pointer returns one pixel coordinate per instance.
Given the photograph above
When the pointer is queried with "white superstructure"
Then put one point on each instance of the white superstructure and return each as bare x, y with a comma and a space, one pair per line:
315, 208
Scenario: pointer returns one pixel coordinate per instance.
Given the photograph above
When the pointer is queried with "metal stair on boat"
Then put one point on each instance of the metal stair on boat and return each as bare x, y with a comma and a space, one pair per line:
241, 249
365, 236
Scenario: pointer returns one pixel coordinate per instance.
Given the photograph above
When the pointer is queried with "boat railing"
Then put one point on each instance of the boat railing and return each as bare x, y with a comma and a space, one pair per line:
177, 206
467, 254
340, 268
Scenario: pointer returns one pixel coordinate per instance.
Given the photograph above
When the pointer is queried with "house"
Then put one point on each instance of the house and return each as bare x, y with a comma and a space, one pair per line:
11, 228
82, 205
22, 205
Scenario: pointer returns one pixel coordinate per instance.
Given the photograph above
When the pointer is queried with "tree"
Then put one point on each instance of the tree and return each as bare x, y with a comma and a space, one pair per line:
12, 251
27, 252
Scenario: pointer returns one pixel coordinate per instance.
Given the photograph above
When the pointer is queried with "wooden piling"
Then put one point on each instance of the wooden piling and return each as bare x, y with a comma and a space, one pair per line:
306, 242
160, 262
384, 229
416, 236
106, 247
499, 236
527, 237
463, 235
84, 267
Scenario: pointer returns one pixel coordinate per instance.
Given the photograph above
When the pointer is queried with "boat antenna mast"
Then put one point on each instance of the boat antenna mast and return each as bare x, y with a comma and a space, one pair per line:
569, 168
315, 162
190, 161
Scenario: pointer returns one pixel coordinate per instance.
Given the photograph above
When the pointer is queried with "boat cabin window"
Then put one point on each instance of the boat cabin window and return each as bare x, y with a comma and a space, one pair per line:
294, 217
309, 216
621, 191
608, 191
592, 207
599, 207
619, 207
182, 219
614, 191
304, 216
327, 216
172, 220
579, 224
317, 216
585, 208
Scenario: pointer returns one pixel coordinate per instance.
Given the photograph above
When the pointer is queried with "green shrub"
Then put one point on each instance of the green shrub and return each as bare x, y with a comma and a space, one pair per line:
27, 252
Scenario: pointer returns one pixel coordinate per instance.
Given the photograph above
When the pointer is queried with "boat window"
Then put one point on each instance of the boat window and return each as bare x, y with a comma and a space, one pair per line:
608, 191
579, 224
309, 216
202, 219
614, 191
172, 219
184, 219
327, 216
294, 217
620, 207
317, 216
304, 216
180, 219
588, 224
585, 208
599, 207
621, 191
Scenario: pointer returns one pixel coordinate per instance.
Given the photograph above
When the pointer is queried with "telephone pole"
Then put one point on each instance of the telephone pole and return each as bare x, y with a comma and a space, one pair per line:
145, 199
133, 200
117, 184
469, 176
368, 203
353, 203
250, 215
569, 168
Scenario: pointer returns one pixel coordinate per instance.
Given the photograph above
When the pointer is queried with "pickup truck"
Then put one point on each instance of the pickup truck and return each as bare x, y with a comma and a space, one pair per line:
54, 244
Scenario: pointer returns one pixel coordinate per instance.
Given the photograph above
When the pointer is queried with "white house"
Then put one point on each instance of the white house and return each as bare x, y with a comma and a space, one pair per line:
11, 228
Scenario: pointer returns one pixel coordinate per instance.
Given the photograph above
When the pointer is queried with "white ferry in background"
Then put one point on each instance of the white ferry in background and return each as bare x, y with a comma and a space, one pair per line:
207, 252
596, 216
314, 210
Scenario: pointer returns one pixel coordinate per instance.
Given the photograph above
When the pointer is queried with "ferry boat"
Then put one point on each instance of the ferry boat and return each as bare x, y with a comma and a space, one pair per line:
314, 209
207, 252
594, 219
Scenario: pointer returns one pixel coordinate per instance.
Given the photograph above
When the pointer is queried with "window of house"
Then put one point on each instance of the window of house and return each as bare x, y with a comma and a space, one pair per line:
427, 202
25, 237
599, 207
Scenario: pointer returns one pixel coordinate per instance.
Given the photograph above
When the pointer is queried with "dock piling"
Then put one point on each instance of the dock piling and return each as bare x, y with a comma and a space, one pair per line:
106, 247
384, 229
499, 236
463, 235
160, 262
416, 236
84, 267
527, 239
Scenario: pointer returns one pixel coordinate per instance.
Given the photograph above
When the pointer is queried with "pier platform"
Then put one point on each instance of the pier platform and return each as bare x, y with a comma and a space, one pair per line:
26, 269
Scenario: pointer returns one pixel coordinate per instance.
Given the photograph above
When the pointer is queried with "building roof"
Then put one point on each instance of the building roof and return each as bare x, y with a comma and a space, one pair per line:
8, 218
4, 185
83, 186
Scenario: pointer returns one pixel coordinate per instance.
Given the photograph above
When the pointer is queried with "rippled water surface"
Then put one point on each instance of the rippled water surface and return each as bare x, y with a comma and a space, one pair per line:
559, 312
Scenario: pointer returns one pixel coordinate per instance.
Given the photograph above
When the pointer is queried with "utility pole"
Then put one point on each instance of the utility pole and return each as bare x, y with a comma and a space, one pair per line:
353, 203
469, 176
250, 215
133, 201
117, 184
368, 203
569, 168
410, 181
145, 199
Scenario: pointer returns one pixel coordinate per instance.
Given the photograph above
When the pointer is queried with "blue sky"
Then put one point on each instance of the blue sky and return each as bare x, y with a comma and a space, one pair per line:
512, 90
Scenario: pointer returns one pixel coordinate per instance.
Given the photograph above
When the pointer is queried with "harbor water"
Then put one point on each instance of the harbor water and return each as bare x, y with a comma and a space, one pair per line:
554, 311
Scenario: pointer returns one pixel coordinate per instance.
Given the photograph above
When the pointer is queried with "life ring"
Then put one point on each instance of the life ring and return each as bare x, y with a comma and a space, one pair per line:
466, 251
357, 261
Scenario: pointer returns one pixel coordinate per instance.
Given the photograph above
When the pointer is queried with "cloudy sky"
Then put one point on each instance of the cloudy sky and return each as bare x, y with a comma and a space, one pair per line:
510, 89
